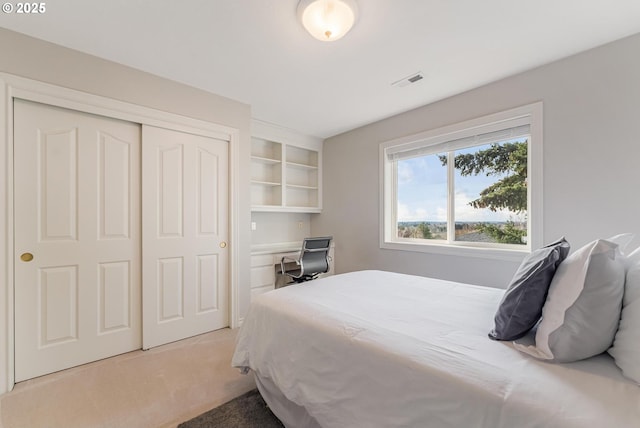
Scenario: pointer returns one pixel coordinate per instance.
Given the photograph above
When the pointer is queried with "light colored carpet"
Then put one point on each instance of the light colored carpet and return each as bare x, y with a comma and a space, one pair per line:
157, 388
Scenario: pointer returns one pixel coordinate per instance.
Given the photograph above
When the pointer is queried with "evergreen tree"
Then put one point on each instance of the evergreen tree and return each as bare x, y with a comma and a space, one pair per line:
425, 232
510, 192
509, 234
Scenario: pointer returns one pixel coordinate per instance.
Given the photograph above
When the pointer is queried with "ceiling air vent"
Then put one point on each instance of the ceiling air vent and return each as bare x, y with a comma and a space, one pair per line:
413, 78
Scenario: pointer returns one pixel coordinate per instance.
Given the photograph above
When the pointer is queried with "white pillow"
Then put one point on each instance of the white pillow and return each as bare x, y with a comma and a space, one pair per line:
626, 346
623, 240
582, 311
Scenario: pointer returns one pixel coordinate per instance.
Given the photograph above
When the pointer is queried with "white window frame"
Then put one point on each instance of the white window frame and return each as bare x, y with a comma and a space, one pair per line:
531, 114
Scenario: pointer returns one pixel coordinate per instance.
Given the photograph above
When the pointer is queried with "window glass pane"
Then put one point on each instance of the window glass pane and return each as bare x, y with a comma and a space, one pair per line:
422, 198
491, 193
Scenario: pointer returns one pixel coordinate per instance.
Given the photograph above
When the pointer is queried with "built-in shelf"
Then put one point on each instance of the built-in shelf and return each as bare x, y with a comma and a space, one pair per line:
265, 183
266, 161
285, 176
298, 186
301, 166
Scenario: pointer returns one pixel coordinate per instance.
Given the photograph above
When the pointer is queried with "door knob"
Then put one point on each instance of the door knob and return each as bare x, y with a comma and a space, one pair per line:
26, 257
223, 244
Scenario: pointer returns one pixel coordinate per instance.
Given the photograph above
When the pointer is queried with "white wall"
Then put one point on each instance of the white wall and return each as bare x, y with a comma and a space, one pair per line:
273, 228
37, 60
591, 162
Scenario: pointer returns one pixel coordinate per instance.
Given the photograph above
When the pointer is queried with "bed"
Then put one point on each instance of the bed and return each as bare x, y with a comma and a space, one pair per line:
381, 349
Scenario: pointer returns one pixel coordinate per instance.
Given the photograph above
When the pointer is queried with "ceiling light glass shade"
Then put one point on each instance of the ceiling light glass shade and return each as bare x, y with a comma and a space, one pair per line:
327, 20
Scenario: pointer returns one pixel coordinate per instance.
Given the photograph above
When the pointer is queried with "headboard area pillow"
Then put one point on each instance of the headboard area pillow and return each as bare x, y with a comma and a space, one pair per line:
581, 314
626, 346
521, 305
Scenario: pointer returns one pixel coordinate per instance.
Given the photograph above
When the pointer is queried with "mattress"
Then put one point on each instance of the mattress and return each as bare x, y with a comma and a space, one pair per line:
381, 349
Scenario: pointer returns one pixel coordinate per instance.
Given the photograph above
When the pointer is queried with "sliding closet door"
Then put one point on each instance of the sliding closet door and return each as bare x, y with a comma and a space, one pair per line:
77, 238
185, 234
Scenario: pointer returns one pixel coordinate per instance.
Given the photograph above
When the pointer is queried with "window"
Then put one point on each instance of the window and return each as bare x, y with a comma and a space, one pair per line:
474, 187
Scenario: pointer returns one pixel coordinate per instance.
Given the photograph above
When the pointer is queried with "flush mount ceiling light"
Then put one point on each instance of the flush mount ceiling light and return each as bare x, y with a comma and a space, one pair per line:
327, 20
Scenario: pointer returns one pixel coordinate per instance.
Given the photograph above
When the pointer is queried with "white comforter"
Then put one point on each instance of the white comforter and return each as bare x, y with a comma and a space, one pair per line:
379, 349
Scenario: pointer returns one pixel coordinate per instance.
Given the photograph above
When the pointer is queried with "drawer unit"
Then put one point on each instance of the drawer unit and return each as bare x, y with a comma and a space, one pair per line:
266, 273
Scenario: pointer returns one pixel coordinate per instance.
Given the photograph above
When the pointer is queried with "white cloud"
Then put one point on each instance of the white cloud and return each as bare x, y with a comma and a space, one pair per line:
465, 212
405, 173
406, 213
441, 214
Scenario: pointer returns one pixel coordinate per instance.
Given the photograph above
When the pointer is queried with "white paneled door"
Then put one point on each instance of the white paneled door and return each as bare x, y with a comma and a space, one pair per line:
121, 235
77, 238
185, 235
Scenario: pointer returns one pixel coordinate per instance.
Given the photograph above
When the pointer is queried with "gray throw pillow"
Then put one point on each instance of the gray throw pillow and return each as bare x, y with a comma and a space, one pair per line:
521, 306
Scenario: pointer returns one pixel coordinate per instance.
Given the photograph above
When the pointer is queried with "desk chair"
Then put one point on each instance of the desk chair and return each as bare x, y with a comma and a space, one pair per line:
312, 261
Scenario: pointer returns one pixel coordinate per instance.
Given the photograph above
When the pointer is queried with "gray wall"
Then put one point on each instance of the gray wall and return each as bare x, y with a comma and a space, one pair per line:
591, 156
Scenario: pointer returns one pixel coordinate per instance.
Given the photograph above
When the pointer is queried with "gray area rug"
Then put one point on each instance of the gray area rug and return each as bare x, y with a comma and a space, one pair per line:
247, 411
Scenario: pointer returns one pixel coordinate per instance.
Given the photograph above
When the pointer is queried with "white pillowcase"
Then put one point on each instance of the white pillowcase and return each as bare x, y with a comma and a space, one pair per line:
626, 346
581, 314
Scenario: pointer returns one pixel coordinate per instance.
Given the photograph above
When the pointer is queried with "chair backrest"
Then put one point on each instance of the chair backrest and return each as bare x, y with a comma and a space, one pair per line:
314, 255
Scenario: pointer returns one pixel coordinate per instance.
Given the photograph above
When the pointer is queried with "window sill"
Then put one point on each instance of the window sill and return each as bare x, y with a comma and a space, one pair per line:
507, 254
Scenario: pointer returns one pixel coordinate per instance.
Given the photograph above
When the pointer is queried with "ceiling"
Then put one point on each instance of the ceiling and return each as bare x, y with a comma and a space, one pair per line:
256, 51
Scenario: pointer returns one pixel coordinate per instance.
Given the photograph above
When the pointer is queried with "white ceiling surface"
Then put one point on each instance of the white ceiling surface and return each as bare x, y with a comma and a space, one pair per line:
256, 51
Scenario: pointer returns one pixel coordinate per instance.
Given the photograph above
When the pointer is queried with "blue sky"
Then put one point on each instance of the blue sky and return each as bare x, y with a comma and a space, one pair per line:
422, 192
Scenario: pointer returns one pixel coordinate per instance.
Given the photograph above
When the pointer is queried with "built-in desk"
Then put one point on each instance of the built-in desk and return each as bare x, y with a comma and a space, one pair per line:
265, 264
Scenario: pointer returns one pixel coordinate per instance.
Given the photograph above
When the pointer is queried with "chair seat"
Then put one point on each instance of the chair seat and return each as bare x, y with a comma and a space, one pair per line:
294, 272
312, 261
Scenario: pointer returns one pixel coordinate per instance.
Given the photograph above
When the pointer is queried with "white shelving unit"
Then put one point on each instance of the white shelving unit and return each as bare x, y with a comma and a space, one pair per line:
301, 172
266, 173
285, 174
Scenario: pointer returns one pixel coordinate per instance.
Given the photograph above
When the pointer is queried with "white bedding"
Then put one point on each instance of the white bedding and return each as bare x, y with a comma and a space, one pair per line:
379, 349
